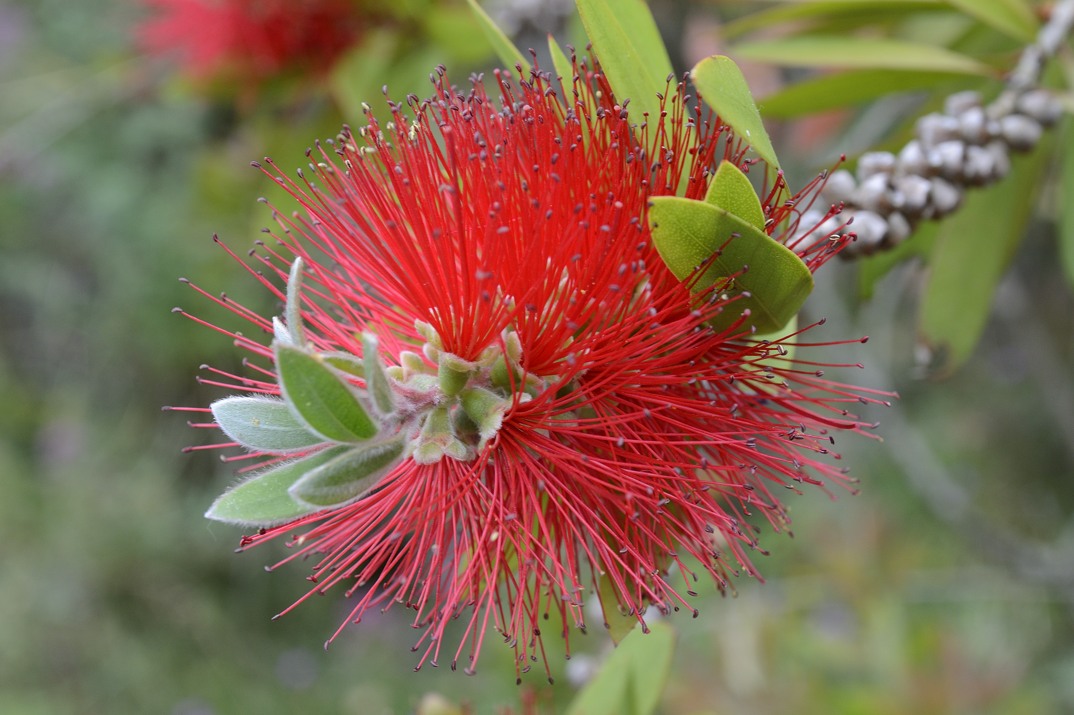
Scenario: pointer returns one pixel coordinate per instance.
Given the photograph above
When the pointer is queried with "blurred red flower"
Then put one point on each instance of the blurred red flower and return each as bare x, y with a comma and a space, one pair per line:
250, 41
633, 440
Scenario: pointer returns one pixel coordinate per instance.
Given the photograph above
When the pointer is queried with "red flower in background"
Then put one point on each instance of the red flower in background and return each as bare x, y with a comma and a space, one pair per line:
250, 41
560, 406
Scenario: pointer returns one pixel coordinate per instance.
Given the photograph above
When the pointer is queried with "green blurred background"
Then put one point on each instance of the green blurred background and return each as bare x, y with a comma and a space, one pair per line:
946, 586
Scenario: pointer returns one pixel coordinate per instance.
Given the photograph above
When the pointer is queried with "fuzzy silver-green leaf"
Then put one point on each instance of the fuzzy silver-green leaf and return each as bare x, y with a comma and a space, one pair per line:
348, 476
320, 398
263, 424
262, 499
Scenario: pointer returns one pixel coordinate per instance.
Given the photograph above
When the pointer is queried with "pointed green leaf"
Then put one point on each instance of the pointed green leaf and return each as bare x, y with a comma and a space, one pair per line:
501, 44
438, 439
731, 189
859, 52
361, 71
1015, 18
790, 345
320, 398
350, 364
812, 11
293, 308
262, 424
262, 499
691, 234
454, 373
486, 409
628, 46
632, 678
1066, 215
348, 476
450, 28
973, 250
563, 66
722, 86
846, 89
376, 379
619, 624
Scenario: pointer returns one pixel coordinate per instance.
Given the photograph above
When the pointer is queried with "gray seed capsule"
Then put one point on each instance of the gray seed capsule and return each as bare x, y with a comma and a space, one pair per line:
932, 129
959, 102
839, 187
994, 129
809, 220
872, 194
946, 197
974, 125
913, 159
980, 167
875, 162
815, 229
1001, 157
899, 228
1020, 131
915, 192
952, 154
1040, 104
870, 228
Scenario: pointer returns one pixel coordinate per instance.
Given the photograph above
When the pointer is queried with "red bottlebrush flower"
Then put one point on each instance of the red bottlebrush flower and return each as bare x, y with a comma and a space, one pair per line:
557, 408
250, 41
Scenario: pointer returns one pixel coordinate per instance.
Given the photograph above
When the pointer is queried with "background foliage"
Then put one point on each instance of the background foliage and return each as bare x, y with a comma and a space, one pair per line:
946, 586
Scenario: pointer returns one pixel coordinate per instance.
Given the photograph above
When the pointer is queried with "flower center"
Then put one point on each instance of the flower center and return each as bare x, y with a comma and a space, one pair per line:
455, 409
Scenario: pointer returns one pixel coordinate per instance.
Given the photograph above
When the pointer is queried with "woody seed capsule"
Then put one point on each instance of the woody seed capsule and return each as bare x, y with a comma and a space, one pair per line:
1020, 131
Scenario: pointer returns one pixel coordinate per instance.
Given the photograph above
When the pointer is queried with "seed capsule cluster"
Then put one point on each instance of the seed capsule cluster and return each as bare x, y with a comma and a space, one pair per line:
967, 145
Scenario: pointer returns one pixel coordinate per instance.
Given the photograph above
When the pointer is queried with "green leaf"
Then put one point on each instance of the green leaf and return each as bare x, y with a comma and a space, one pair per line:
628, 46
619, 624
690, 234
345, 362
859, 53
376, 379
722, 86
486, 409
450, 29
731, 189
813, 10
971, 254
563, 66
350, 81
632, 679
1066, 215
347, 476
791, 345
293, 308
262, 424
846, 89
262, 499
320, 398
438, 439
501, 44
1015, 18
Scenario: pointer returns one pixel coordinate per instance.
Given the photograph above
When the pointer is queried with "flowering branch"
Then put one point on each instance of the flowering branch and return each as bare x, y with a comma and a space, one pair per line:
565, 394
967, 145
520, 358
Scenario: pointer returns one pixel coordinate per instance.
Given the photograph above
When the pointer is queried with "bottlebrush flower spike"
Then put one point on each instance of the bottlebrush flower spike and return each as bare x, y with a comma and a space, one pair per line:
553, 413
250, 41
